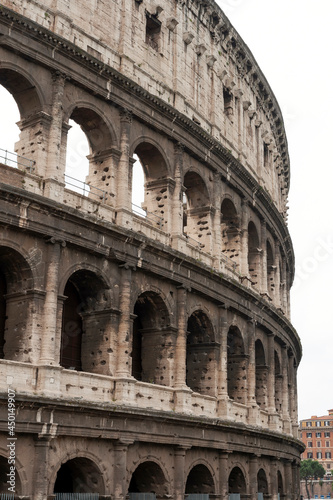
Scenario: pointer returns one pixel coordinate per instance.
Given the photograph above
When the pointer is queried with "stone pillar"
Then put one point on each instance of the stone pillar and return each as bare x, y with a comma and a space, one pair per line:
274, 480
41, 477
251, 373
277, 297
54, 172
179, 468
285, 391
288, 487
253, 477
182, 393
224, 475
125, 324
120, 470
124, 188
295, 480
271, 375
263, 259
50, 315
244, 267
216, 221
222, 393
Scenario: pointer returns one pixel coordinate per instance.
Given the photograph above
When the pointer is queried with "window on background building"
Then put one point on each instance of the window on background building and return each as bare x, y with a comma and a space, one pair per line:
309, 444
319, 454
310, 455
328, 455
309, 434
327, 444
318, 423
328, 466
327, 434
318, 434
308, 424
318, 444
326, 423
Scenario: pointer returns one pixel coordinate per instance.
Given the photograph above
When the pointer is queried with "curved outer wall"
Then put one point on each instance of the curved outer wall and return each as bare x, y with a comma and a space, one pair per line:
148, 353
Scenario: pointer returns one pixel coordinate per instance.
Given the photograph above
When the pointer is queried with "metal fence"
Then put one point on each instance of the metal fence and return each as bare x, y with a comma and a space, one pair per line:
149, 216
16, 161
85, 189
76, 496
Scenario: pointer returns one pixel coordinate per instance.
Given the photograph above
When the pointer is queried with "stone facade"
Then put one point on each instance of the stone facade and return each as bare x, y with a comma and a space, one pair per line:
148, 354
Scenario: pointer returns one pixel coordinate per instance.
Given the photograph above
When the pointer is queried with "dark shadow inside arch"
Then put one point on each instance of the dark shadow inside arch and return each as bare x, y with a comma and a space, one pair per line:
201, 354
23, 91
262, 482
79, 475
261, 375
148, 477
237, 482
278, 383
200, 481
236, 373
86, 295
253, 253
153, 341
230, 230
15, 281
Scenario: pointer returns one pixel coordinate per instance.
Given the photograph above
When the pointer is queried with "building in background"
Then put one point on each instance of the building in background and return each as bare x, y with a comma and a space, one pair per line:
317, 435
149, 354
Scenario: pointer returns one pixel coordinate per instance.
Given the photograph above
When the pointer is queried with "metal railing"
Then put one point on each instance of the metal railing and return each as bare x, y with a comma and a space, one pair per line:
193, 242
149, 216
85, 189
16, 161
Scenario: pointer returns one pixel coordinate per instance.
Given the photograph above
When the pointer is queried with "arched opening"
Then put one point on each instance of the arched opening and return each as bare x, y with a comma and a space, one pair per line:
197, 210
153, 341
148, 477
237, 484
270, 269
9, 131
79, 475
138, 187
253, 253
278, 383
201, 354
6, 475
280, 483
237, 376
230, 230
96, 139
262, 483
77, 163
83, 346
158, 186
16, 282
261, 375
21, 104
199, 481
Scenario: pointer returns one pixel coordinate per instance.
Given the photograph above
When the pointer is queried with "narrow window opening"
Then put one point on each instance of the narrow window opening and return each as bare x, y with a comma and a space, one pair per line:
153, 30
266, 156
228, 102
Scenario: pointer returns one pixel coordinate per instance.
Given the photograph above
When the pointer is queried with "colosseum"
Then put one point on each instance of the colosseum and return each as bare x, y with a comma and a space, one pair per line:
145, 353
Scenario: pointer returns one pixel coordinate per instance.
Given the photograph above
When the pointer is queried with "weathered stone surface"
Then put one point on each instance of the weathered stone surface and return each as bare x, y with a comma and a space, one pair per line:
147, 354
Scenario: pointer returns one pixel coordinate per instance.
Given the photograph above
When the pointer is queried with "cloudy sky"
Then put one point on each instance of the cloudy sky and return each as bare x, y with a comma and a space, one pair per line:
292, 42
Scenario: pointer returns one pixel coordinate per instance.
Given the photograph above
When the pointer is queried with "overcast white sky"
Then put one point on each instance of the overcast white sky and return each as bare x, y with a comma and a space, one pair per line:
292, 42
